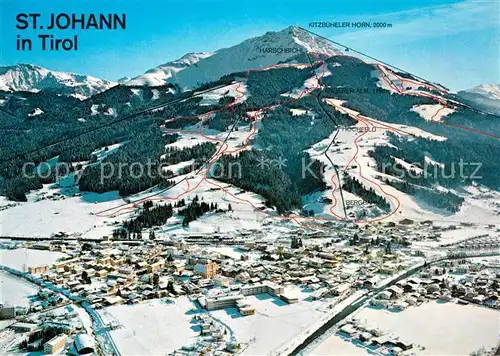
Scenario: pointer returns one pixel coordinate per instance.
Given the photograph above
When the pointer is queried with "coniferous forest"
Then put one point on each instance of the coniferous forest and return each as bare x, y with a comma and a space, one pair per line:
274, 164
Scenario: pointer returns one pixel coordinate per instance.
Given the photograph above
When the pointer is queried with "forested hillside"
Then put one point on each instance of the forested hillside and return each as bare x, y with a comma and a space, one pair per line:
292, 118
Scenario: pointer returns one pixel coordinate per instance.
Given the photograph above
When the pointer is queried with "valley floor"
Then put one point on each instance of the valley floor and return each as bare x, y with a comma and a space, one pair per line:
439, 328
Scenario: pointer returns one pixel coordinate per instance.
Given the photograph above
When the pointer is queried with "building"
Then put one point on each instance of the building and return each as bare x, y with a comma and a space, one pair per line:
101, 273
235, 300
207, 270
320, 293
230, 301
289, 297
245, 308
113, 300
155, 266
348, 329
223, 302
395, 291
38, 270
55, 344
262, 288
341, 290
84, 344
41, 246
61, 264
7, 313
404, 345
23, 327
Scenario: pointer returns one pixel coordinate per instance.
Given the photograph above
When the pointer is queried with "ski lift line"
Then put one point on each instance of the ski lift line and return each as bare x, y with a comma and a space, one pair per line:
365, 55
216, 155
334, 137
179, 182
353, 159
111, 123
396, 68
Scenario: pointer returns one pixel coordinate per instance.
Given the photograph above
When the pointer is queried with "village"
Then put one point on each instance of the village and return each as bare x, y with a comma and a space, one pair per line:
214, 278
457, 282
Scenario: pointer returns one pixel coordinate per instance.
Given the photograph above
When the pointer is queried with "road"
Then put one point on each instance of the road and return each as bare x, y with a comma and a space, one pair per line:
108, 347
299, 350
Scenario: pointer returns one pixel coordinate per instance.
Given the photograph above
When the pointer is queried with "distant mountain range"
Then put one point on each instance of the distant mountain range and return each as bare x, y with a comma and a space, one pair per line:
189, 71
196, 68
485, 96
29, 77
167, 72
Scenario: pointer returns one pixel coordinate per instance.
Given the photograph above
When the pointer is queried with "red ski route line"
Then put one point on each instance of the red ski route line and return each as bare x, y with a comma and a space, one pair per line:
213, 159
222, 152
224, 145
254, 116
439, 100
366, 122
354, 159
398, 203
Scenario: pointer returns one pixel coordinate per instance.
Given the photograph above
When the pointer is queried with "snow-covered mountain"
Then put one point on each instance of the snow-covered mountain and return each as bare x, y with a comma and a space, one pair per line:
28, 77
123, 80
197, 68
490, 91
385, 149
485, 96
167, 72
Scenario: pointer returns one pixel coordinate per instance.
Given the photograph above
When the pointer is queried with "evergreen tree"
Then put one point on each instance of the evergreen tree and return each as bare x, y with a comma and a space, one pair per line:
156, 280
388, 248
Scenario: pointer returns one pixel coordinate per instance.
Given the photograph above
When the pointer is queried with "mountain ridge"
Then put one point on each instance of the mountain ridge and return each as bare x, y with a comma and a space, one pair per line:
484, 96
33, 78
291, 99
161, 74
257, 52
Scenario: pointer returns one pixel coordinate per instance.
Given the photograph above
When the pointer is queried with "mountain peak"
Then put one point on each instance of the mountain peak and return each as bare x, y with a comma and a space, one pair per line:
485, 96
491, 91
273, 47
162, 74
293, 30
191, 58
123, 80
31, 77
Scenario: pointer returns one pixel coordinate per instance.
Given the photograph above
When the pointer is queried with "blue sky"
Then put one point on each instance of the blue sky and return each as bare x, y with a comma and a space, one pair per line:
450, 42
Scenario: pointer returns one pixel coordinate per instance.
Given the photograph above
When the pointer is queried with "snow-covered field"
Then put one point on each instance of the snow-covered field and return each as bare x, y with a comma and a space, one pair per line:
479, 206
151, 328
357, 163
14, 291
336, 345
56, 207
274, 324
236, 90
432, 112
454, 236
22, 257
443, 329
49, 213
